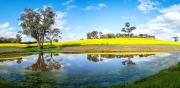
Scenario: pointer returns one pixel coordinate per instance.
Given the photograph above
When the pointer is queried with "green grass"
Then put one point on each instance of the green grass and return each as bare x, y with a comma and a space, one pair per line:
10, 52
45, 49
6, 84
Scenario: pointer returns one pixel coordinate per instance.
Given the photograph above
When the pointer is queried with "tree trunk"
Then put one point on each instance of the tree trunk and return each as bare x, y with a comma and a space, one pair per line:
128, 34
39, 45
42, 45
51, 42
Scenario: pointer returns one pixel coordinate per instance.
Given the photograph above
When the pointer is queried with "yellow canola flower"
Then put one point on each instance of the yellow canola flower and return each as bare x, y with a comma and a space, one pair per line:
120, 41
110, 41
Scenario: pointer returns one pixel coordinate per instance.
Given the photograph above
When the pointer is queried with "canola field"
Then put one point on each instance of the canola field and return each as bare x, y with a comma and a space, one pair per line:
119, 41
111, 41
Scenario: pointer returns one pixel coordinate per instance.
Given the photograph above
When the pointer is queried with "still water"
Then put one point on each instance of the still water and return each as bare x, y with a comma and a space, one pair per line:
52, 70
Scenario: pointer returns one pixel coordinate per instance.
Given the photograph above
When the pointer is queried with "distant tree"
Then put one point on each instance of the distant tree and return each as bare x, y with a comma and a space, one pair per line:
36, 23
53, 34
88, 36
100, 34
18, 38
128, 29
175, 38
94, 34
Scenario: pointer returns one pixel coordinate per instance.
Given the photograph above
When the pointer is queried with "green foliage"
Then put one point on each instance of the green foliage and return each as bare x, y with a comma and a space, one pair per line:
93, 35
128, 29
100, 35
53, 35
6, 84
175, 38
45, 49
36, 23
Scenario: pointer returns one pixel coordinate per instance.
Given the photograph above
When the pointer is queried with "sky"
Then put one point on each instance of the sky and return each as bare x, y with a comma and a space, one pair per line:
77, 17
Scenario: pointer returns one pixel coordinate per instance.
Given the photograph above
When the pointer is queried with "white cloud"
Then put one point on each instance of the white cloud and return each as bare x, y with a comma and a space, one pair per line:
95, 7
127, 17
103, 30
67, 28
79, 27
164, 26
67, 2
71, 36
147, 5
69, 7
7, 31
59, 20
173, 8
106, 31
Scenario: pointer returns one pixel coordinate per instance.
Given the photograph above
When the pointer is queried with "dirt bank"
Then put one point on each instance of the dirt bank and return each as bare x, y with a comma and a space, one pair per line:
10, 50
121, 48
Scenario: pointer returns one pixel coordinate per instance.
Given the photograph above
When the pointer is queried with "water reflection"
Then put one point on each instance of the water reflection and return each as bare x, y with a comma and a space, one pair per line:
128, 61
19, 60
45, 63
80, 70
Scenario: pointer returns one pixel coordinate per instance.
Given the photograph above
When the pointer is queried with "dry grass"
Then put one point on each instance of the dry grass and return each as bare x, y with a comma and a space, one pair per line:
121, 48
11, 50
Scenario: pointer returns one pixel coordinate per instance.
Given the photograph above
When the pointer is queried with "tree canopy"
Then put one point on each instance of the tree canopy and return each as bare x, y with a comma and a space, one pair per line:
37, 23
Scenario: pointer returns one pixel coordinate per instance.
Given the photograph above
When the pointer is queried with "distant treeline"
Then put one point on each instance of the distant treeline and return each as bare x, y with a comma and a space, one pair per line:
7, 40
100, 35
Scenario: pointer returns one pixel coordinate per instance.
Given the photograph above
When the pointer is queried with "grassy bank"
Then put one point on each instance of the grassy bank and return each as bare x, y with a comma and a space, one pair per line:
9, 53
93, 45
168, 78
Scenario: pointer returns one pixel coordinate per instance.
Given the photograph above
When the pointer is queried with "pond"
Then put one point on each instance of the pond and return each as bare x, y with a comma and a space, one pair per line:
54, 70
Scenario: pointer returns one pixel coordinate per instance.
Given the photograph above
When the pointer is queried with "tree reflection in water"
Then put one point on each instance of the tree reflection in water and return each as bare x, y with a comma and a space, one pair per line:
19, 60
101, 57
42, 65
128, 62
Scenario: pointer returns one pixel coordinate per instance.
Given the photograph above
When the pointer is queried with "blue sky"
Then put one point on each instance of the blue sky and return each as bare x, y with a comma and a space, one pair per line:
77, 17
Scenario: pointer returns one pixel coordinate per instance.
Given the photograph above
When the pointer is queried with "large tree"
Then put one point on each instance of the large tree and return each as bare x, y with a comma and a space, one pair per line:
53, 34
128, 29
36, 23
